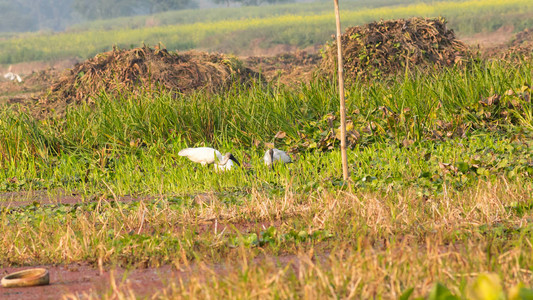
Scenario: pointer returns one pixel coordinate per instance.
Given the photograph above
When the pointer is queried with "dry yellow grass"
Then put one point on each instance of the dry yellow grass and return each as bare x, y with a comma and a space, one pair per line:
381, 243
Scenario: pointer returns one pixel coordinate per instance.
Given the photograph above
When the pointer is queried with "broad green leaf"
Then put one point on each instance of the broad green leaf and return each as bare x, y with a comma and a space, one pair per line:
487, 286
407, 294
441, 292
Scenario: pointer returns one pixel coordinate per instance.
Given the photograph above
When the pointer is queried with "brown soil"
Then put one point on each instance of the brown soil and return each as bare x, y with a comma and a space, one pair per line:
522, 43
511, 48
30, 90
489, 40
37, 78
27, 68
83, 280
388, 47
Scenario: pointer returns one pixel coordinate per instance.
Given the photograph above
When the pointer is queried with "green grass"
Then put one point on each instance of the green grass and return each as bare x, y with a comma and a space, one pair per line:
440, 186
131, 142
235, 29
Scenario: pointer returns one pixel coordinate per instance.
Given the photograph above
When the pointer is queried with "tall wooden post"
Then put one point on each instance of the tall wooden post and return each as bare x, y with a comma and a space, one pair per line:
341, 93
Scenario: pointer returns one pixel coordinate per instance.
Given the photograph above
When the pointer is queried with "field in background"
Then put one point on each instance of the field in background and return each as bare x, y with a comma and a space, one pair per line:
238, 30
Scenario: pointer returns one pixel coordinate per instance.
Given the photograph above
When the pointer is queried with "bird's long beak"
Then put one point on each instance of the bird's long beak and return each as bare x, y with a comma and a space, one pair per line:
234, 159
271, 152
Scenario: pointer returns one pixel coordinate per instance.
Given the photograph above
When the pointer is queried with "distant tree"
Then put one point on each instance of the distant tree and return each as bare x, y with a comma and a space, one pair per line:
13, 19
31, 15
155, 6
50, 14
104, 9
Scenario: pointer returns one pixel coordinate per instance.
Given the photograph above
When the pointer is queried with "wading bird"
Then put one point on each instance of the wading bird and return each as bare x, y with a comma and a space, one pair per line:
12, 76
273, 155
207, 156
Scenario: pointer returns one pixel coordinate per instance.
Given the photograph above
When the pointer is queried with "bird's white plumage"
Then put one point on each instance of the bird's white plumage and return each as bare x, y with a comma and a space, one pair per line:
225, 167
203, 155
12, 76
276, 155
207, 155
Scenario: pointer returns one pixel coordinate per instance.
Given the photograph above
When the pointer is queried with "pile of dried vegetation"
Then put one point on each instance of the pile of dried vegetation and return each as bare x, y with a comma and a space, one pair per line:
387, 47
144, 68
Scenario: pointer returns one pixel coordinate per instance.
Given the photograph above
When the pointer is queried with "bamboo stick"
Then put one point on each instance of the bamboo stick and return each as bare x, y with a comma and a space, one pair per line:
341, 93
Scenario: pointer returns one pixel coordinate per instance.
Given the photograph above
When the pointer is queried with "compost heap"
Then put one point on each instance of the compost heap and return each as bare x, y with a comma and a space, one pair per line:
386, 47
143, 69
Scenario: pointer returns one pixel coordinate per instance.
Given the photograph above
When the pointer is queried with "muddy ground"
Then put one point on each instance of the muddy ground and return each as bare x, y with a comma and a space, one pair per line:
83, 280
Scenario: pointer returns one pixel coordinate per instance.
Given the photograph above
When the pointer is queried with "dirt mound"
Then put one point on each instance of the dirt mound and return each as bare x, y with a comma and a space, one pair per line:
386, 47
144, 68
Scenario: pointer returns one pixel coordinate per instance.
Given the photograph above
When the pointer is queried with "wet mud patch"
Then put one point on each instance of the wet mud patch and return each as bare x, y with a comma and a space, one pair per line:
82, 280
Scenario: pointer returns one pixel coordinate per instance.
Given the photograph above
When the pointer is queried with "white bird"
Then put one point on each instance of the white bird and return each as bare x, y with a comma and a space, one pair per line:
273, 155
206, 155
224, 167
12, 76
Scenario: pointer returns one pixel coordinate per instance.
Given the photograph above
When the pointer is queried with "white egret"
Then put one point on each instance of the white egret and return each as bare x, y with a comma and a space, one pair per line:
206, 155
12, 76
273, 155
